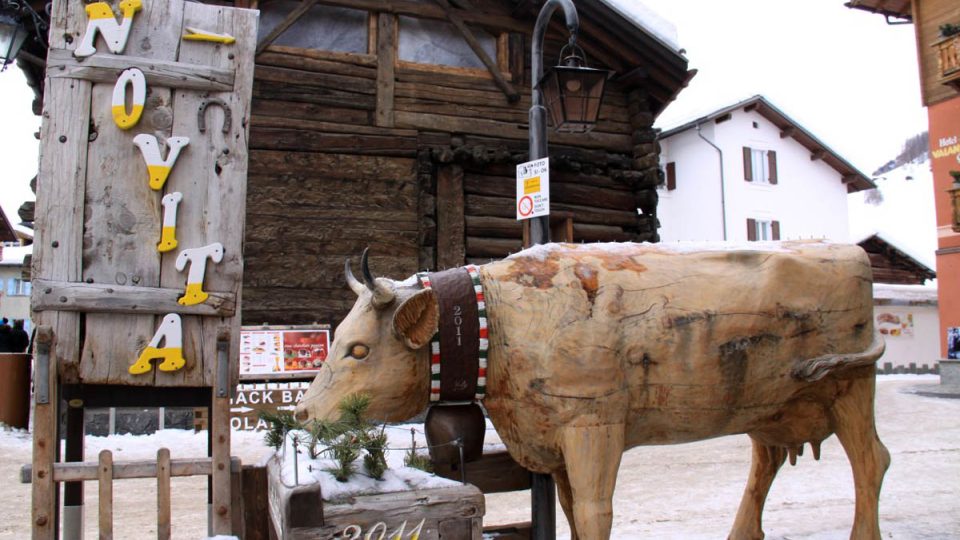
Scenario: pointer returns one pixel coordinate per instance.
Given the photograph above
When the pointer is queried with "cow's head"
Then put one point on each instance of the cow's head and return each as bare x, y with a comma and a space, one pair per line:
380, 350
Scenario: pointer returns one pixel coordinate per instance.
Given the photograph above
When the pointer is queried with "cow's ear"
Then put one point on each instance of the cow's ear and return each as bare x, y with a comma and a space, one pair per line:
416, 319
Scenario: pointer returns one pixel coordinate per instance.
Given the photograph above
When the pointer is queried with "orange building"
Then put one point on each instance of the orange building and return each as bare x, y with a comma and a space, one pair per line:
937, 28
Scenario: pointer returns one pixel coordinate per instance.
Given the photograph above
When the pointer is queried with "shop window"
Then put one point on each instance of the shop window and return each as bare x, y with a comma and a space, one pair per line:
326, 28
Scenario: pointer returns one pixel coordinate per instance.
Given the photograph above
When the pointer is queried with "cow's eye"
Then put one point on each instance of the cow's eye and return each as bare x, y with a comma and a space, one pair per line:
359, 351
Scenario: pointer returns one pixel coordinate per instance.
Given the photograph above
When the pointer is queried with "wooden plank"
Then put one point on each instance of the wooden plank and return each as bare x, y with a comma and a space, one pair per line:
345, 166
97, 298
328, 127
56, 251
492, 247
369, 60
286, 23
480, 126
105, 481
77, 471
300, 140
103, 68
294, 111
122, 218
495, 472
163, 494
347, 83
451, 249
318, 65
386, 60
311, 94
256, 507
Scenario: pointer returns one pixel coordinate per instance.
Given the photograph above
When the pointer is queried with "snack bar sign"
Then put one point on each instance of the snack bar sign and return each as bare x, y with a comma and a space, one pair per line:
533, 189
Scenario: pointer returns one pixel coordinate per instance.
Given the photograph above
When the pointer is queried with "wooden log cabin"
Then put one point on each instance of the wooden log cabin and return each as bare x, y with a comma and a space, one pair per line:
376, 123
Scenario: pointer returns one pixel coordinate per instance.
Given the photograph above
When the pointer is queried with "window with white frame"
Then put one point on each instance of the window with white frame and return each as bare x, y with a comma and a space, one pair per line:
18, 287
763, 229
759, 166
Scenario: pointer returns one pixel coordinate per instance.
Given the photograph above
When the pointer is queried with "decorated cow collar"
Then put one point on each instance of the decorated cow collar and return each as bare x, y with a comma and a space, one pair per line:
458, 351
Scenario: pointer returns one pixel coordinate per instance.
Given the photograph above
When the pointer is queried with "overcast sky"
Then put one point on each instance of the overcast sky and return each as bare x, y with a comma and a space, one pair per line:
844, 74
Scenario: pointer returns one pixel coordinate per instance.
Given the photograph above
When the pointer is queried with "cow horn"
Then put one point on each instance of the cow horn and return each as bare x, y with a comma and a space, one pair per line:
382, 295
352, 281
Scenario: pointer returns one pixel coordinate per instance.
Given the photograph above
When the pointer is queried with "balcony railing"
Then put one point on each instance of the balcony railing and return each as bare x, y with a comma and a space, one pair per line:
948, 60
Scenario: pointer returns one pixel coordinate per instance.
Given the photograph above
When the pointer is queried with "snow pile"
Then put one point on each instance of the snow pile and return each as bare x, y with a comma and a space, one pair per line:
906, 216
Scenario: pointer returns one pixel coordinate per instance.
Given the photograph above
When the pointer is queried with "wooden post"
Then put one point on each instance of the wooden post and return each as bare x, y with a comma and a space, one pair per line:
44, 438
163, 494
451, 248
256, 505
220, 435
386, 60
105, 479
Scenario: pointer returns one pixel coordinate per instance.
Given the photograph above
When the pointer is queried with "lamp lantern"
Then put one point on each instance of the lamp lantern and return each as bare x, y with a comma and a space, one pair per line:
573, 92
12, 36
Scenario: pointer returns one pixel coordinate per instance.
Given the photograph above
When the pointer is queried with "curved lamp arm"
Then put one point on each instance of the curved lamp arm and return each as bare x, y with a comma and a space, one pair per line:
540, 226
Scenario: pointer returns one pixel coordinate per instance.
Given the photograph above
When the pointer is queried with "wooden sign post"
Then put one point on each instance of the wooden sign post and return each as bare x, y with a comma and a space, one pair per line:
107, 286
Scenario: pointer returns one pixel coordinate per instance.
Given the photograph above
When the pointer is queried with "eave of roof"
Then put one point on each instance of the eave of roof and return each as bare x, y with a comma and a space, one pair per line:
892, 248
7, 233
900, 9
854, 179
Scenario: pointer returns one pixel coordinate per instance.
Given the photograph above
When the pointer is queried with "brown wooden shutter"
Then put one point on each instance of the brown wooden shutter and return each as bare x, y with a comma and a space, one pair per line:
671, 176
751, 230
772, 164
775, 228
747, 165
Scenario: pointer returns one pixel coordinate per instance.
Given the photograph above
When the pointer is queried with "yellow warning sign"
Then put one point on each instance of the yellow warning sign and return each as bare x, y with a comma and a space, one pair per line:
531, 185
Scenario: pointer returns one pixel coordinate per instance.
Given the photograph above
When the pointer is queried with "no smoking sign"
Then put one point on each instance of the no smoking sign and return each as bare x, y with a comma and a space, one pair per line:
533, 189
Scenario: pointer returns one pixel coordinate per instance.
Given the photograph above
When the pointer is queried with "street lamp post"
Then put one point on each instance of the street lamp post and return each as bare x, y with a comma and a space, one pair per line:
542, 488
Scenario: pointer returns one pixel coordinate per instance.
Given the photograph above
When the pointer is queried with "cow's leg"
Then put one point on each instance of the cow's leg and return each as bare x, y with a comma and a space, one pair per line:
565, 494
592, 457
763, 468
855, 427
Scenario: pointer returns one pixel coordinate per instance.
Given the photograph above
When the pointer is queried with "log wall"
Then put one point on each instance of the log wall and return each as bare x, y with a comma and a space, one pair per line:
419, 167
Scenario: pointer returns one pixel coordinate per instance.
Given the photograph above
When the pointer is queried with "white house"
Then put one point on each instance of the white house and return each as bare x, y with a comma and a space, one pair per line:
750, 172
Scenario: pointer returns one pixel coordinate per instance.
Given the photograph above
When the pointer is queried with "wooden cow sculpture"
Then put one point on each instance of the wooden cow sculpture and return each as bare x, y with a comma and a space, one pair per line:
594, 349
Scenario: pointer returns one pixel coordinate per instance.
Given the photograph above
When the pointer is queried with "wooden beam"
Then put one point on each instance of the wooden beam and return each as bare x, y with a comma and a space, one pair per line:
103, 68
386, 69
788, 131
286, 23
508, 90
101, 298
819, 153
451, 248
849, 178
88, 470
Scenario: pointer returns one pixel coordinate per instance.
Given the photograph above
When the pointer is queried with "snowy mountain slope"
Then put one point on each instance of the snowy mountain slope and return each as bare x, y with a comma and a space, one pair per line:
905, 217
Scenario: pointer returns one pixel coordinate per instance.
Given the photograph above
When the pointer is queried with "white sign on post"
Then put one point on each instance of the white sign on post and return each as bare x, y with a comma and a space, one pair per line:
533, 189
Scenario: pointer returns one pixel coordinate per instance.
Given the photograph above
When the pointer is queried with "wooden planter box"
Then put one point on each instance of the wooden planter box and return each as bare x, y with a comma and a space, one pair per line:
300, 513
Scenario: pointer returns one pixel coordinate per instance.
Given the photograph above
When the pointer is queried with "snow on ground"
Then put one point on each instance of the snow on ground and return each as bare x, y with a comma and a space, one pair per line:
906, 216
688, 491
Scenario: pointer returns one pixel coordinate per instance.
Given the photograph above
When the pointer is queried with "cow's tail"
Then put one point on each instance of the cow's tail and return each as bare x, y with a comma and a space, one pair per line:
817, 368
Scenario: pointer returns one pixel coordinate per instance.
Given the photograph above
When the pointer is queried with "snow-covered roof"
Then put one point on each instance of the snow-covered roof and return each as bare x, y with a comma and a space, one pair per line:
906, 216
648, 20
853, 177
905, 294
23, 231
13, 255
